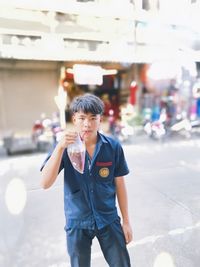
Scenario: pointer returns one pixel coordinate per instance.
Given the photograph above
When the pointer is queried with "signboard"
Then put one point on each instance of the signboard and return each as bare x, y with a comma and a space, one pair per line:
88, 74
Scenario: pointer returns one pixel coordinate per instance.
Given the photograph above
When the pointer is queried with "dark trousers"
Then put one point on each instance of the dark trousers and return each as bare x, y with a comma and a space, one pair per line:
112, 242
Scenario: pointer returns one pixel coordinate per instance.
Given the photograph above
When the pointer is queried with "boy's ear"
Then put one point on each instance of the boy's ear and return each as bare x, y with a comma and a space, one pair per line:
73, 118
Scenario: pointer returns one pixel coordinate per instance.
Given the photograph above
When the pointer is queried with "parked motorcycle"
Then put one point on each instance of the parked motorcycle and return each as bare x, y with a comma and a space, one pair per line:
156, 129
124, 132
45, 133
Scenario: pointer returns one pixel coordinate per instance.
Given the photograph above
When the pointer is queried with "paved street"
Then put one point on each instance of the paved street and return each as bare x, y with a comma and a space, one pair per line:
164, 202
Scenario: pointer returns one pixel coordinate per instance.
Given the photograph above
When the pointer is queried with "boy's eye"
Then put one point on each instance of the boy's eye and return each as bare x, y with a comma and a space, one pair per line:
89, 119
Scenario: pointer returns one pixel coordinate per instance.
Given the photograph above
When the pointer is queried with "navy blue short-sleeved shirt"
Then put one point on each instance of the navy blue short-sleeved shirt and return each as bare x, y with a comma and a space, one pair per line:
90, 198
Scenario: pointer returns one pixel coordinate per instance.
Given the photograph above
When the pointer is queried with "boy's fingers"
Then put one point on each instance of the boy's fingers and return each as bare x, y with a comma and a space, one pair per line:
128, 238
127, 235
71, 134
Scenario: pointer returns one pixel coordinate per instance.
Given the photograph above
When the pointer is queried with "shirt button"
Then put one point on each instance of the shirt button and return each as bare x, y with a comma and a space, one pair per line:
91, 190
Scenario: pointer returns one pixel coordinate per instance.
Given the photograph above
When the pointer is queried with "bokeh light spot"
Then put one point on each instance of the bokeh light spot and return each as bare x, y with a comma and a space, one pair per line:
164, 259
15, 196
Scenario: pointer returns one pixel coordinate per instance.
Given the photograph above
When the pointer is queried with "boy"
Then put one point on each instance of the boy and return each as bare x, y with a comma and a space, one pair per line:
89, 198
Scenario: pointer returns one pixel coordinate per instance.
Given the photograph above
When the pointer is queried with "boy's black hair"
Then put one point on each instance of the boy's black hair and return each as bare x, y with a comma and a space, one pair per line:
87, 103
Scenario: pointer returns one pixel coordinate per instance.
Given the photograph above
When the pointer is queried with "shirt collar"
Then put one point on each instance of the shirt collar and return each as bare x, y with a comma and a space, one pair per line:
101, 138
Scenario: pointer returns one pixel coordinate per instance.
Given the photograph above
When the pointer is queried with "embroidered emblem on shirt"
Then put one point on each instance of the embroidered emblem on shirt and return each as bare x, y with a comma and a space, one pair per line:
104, 172
108, 163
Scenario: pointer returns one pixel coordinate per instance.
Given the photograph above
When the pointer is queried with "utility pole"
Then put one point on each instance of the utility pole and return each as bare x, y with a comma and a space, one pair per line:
61, 101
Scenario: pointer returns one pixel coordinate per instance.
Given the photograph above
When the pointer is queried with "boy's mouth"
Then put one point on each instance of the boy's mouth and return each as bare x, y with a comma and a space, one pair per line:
85, 133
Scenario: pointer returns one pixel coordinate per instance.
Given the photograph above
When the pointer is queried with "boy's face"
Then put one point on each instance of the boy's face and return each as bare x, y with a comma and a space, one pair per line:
87, 124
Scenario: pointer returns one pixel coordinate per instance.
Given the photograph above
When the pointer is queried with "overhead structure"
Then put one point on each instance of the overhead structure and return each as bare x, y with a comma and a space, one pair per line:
137, 31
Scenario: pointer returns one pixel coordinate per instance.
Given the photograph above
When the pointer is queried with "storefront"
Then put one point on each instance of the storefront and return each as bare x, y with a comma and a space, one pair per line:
28, 89
87, 78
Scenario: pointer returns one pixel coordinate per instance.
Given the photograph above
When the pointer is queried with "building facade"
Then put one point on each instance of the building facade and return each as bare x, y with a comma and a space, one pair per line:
37, 40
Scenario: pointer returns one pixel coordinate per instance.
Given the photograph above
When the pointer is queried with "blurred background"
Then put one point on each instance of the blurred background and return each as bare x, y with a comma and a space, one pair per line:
142, 58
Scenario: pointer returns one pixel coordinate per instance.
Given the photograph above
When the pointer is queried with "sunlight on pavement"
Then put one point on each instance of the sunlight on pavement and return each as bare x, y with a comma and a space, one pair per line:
187, 143
15, 196
192, 165
183, 214
4, 168
152, 148
164, 259
173, 232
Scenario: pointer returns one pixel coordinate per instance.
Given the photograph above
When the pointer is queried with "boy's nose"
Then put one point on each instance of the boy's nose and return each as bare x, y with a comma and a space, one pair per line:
86, 122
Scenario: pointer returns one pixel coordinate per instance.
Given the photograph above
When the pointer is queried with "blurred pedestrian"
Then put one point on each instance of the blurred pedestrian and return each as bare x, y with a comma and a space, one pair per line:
112, 122
90, 198
133, 90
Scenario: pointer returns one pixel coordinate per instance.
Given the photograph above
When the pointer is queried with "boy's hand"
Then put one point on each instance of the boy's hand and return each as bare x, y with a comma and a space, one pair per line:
127, 232
67, 138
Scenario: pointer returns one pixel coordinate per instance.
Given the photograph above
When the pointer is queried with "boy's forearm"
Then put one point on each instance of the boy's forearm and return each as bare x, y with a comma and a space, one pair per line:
122, 198
51, 168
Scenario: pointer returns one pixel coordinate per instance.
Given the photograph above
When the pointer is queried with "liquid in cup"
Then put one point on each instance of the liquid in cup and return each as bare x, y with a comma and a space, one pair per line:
76, 153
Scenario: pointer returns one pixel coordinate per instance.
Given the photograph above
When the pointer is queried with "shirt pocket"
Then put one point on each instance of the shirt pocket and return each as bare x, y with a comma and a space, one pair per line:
76, 205
104, 171
105, 196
